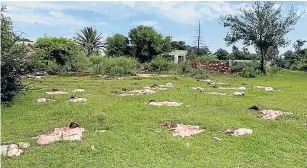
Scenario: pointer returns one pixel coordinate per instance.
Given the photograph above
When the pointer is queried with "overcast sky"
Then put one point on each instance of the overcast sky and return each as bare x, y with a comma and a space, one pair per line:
177, 19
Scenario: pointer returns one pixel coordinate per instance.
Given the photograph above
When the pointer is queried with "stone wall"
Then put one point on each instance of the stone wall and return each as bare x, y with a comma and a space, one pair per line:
219, 67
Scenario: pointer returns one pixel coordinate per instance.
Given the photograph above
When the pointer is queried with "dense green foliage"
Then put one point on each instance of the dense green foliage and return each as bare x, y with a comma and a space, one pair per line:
114, 66
14, 57
147, 43
262, 25
222, 54
117, 45
59, 55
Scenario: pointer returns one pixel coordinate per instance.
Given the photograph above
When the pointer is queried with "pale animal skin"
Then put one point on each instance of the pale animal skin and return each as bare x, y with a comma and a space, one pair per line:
164, 103
186, 130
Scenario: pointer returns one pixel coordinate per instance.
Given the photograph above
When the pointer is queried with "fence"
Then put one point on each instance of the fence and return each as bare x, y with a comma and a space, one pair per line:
219, 67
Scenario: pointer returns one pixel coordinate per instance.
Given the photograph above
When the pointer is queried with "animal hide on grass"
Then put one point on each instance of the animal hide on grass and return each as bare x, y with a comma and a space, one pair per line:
61, 134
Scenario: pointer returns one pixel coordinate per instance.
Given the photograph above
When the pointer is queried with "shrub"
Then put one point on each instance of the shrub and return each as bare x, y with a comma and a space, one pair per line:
299, 65
246, 69
161, 64
114, 66
82, 63
187, 70
13, 58
61, 51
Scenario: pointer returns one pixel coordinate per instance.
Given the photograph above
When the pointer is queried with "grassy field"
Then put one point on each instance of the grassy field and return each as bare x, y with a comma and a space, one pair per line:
134, 137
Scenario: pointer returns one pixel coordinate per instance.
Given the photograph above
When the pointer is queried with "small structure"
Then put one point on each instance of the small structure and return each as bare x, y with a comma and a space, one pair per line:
179, 55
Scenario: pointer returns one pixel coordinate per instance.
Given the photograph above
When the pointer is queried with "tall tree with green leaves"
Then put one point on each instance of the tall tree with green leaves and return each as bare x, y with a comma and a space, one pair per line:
14, 56
90, 41
117, 45
147, 43
263, 25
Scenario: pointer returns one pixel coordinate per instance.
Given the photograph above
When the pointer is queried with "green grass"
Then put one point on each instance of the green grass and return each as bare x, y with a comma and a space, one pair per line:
131, 139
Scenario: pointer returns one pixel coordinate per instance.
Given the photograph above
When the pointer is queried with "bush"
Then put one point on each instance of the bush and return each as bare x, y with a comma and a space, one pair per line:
61, 51
161, 64
300, 65
82, 63
13, 58
272, 70
246, 69
114, 66
187, 70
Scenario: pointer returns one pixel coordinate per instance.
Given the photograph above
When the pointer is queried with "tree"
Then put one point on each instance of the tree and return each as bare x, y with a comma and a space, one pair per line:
146, 43
89, 40
58, 49
222, 54
262, 26
117, 45
298, 48
178, 45
13, 59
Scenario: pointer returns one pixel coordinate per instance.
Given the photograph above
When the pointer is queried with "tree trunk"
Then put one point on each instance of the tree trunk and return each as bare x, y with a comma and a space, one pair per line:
262, 68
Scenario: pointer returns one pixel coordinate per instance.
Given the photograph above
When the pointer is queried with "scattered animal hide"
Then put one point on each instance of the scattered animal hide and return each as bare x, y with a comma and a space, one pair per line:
164, 103
242, 88
56, 92
169, 124
143, 92
186, 130
61, 134
239, 131
13, 149
238, 94
42, 100
269, 89
200, 89
73, 125
260, 87
220, 83
272, 114
255, 108
216, 93
77, 100
228, 88
79, 90
207, 80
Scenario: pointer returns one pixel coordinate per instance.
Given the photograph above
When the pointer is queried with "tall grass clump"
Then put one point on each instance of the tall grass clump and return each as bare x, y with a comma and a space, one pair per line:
114, 66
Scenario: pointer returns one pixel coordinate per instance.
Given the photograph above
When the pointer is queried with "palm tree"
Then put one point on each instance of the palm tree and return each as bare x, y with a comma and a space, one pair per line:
89, 40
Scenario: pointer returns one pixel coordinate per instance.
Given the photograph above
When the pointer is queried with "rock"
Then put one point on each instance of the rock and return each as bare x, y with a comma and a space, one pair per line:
10, 150
23, 145
93, 147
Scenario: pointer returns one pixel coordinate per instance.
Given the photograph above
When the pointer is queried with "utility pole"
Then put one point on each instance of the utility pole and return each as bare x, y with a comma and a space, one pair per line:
198, 39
